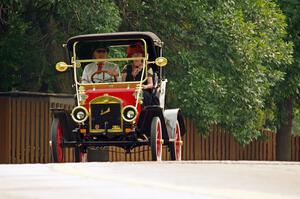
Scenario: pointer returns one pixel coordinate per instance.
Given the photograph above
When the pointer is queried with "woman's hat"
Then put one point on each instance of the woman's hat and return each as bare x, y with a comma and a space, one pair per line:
135, 48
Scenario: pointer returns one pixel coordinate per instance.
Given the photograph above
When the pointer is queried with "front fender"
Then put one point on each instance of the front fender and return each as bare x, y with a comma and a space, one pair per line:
145, 119
66, 122
171, 116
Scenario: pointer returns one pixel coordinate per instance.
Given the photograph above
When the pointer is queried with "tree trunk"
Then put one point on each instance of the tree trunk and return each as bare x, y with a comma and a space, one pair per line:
284, 132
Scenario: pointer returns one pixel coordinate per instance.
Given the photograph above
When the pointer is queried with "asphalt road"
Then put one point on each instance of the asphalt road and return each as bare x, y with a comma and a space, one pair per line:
143, 180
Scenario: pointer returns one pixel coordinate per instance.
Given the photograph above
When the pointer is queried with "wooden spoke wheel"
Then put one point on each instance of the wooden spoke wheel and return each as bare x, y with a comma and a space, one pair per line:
175, 147
156, 139
56, 141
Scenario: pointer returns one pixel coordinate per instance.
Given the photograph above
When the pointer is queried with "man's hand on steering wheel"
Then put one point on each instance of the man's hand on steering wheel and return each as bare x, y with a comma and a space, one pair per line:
98, 78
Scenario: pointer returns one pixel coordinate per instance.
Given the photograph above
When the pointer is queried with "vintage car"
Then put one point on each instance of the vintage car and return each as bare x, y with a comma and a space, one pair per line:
110, 112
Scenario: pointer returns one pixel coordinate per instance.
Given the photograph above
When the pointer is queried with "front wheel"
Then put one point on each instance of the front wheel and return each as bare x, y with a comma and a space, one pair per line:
175, 147
156, 139
56, 141
79, 155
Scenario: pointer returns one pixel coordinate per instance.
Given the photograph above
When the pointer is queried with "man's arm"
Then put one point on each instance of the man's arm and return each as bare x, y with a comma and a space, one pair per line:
84, 77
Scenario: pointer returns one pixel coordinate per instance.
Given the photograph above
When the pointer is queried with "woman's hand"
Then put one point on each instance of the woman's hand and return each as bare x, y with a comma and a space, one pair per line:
113, 72
144, 87
148, 86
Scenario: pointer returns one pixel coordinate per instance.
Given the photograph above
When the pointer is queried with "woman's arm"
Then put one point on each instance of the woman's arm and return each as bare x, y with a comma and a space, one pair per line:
124, 77
149, 84
124, 73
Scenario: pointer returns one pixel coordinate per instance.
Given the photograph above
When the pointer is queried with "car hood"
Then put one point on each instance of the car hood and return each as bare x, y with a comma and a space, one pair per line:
126, 95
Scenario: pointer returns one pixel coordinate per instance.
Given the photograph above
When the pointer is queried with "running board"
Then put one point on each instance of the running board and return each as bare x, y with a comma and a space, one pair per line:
104, 143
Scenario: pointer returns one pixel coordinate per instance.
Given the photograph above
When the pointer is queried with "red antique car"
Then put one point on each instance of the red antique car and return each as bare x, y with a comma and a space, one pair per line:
111, 111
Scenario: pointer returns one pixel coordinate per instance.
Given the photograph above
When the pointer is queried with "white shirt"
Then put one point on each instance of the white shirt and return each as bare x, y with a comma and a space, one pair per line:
91, 68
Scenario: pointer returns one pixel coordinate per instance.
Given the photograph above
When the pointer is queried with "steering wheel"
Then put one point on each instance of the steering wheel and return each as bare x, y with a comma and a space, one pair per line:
97, 78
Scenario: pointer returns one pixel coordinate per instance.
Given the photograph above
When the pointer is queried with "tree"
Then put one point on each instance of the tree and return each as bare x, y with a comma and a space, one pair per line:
32, 33
225, 57
286, 93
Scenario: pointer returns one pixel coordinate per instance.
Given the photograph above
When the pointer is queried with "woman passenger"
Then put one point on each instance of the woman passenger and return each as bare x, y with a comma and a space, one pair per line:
133, 72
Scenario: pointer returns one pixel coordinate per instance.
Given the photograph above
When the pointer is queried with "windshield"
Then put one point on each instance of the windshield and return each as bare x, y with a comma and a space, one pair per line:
102, 62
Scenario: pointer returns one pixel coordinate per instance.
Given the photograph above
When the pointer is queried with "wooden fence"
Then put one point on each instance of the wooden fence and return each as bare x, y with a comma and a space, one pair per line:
25, 125
219, 145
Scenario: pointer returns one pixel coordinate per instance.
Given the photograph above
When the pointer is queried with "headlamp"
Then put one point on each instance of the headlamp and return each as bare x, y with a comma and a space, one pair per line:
129, 113
79, 114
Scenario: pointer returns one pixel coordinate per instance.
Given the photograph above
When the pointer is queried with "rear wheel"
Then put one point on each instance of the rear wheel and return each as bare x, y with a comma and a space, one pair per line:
156, 139
56, 141
175, 147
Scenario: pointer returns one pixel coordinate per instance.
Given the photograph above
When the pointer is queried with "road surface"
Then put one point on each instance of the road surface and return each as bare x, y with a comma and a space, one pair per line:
151, 180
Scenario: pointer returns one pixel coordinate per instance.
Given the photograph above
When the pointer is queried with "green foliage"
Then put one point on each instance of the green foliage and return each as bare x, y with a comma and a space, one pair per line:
15, 56
225, 56
289, 87
32, 33
296, 123
285, 94
81, 16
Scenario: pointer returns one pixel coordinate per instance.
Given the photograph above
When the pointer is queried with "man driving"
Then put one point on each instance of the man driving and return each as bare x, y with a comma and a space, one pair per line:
98, 72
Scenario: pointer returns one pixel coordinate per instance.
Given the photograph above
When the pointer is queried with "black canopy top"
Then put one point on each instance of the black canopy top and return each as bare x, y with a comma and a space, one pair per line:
87, 42
150, 37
